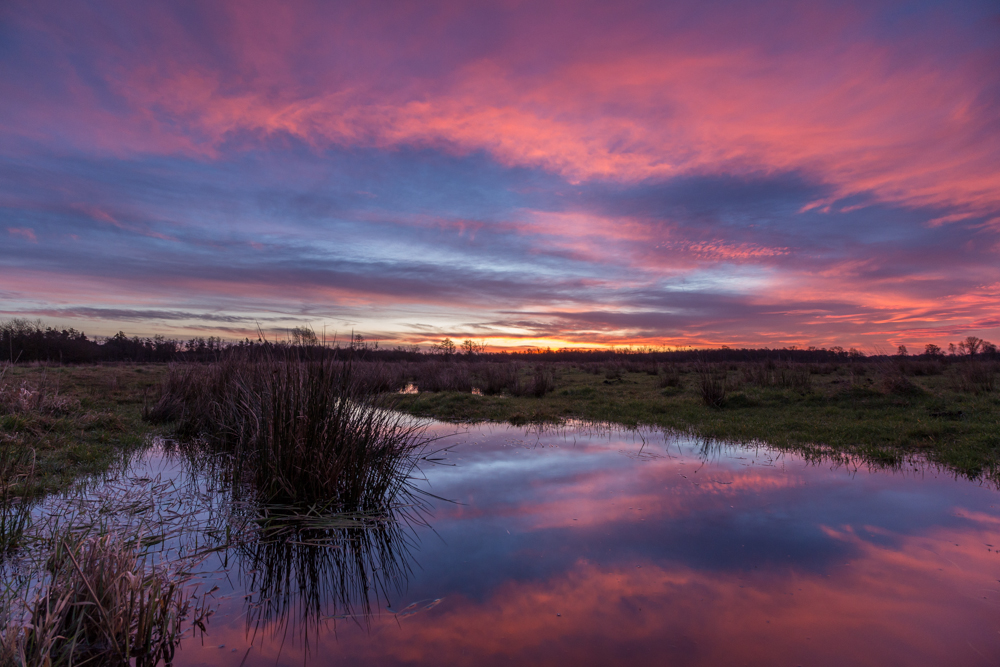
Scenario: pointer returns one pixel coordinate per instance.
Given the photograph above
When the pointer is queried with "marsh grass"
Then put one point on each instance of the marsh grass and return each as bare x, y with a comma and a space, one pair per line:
100, 604
848, 408
69, 419
614, 372
976, 377
668, 376
306, 431
542, 382
17, 467
890, 377
102, 575
713, 381
437, 376
498, 378
21, 398
16, 471
490, 378
767, 374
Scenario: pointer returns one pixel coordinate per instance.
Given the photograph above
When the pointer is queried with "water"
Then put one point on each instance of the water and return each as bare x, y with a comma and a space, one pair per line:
585, 547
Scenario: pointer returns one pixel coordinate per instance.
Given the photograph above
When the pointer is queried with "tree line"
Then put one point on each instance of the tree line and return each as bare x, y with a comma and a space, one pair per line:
31, 341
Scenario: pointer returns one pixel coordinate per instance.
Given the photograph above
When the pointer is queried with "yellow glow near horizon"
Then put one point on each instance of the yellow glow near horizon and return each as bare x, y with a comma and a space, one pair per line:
500, 343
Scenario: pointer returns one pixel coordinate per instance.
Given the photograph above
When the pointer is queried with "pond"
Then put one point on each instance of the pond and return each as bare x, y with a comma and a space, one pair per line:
590, 546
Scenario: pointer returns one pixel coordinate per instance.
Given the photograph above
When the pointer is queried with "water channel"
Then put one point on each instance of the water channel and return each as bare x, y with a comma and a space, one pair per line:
589, 546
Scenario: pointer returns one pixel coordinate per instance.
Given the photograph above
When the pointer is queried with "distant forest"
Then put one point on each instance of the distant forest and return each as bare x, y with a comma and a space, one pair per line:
31, 341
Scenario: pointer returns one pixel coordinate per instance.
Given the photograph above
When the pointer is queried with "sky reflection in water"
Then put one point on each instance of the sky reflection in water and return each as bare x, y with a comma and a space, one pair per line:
589, 548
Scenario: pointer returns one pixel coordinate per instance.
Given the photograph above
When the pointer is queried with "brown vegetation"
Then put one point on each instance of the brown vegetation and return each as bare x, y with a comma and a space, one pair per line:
100, 604
305, 431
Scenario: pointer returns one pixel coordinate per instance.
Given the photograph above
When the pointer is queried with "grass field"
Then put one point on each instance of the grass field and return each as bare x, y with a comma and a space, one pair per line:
75, 419
861, 409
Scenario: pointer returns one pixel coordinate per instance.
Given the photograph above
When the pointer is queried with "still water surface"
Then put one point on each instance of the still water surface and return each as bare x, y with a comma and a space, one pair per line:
588, 547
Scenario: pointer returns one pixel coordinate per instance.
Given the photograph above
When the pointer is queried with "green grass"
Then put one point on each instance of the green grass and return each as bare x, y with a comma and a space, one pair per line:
88, 415
847, 410
842, 413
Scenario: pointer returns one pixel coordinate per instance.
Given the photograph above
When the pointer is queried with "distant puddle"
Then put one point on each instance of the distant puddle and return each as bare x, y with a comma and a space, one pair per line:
584, 547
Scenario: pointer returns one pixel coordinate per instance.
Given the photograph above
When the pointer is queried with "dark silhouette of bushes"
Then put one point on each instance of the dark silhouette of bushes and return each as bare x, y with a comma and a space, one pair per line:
25, 341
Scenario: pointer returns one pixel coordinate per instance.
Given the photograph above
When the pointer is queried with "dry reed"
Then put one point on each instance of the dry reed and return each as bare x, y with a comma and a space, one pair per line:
100, 605
304, 431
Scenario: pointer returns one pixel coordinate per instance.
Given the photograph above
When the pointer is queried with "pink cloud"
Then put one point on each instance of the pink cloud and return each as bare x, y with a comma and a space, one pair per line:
905, 122
622, 96
25, 233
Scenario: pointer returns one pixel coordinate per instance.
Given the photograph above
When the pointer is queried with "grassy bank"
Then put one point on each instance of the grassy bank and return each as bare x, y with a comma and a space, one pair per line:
72, 420
881, 411
76, 418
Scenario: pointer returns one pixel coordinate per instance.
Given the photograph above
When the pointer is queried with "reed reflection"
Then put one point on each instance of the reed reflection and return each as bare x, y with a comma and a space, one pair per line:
302, 567
302, 572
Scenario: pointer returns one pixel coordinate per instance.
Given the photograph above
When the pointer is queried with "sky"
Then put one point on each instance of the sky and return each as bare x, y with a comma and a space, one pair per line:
760, 174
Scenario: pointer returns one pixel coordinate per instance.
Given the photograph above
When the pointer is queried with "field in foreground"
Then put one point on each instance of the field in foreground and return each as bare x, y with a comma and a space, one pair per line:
75, 418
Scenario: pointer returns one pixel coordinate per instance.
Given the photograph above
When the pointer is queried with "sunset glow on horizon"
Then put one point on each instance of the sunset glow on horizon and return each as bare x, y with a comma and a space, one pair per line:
523, 174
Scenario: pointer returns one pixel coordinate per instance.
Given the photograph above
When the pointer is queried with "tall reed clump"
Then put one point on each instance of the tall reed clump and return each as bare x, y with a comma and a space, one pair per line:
311, 432
185, 396
99, 604
713, 385
542, 382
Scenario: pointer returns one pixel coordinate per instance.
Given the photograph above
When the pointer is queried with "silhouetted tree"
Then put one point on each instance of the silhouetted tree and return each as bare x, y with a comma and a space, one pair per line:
971, 346
445, 347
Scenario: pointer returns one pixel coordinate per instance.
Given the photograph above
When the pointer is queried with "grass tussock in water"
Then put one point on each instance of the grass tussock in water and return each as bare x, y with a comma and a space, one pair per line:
305, 431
